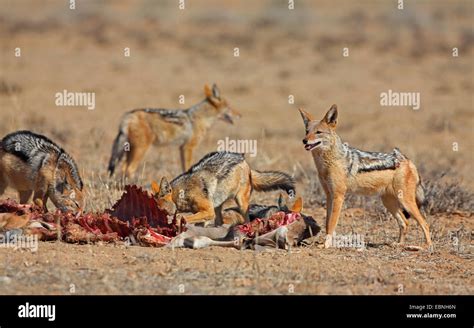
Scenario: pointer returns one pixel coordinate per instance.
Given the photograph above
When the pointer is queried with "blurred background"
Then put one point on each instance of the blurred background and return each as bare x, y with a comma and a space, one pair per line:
282, 52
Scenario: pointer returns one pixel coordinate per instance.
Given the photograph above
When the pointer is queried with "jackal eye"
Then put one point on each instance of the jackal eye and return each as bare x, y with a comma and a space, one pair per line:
319, 132
60, 187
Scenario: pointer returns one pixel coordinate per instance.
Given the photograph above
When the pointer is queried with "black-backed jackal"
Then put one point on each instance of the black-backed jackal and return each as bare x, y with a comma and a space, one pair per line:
140, 128
32, 163
215, 179
343, 169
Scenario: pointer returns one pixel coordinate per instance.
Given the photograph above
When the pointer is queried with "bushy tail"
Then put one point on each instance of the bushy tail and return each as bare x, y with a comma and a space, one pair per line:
272, 180
420, 193
118, 149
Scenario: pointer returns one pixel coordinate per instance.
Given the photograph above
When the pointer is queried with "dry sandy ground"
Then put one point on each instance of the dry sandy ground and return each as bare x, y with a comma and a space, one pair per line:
59, 268
175, 52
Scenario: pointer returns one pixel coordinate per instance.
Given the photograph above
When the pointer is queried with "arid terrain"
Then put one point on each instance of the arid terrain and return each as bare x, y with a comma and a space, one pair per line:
282, 55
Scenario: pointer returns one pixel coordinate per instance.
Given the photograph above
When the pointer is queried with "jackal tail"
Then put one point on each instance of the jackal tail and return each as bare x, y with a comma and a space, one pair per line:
420, 193
272, 180
118, 149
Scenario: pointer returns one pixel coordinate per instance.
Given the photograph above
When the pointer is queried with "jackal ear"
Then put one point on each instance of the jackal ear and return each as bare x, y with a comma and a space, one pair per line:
298, 205
215, 91
305, 116
155, 187
331, 116
165, 187
207, 91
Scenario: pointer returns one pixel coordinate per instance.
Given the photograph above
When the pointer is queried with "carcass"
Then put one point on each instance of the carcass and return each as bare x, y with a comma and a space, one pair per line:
137, 219
281, 230
149, 227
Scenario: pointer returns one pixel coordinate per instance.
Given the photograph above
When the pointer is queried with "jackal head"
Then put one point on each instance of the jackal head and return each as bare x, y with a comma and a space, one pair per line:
224, 111
163, 197
283, 205
67, 193
320, 135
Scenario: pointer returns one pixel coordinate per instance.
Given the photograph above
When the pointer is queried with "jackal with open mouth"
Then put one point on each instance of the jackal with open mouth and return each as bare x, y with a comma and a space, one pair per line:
343, 169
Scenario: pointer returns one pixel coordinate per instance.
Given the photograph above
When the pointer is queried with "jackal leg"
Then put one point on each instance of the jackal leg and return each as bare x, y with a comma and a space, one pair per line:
218, 220
182, 158
409, 204
186, 152
335, 203
134, 157
405, 184
205, 211
242, 199
328, 201
328, 239
392, 204
41, 197
24, 195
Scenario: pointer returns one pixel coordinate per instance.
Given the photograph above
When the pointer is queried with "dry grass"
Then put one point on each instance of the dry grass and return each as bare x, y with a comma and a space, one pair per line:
446, 195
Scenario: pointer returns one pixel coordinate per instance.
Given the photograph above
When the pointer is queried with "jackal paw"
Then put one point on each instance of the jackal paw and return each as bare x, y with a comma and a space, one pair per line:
328, 241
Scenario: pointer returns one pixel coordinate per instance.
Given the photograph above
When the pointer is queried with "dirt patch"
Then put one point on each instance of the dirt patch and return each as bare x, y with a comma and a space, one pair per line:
60, 268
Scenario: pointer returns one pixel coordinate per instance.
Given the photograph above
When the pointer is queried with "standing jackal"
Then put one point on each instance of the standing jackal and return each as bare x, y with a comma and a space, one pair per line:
215, 179
343, 169
30, 162
187, 128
